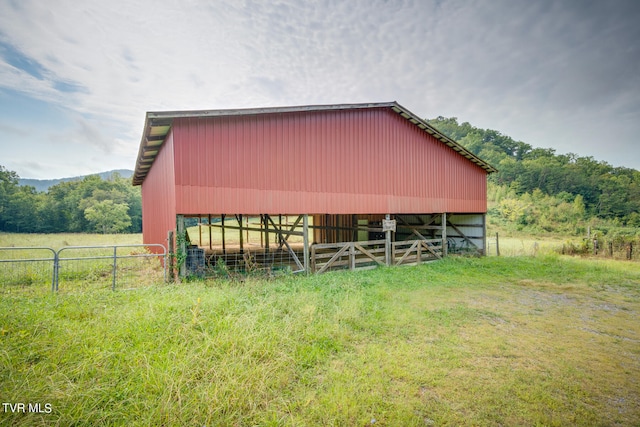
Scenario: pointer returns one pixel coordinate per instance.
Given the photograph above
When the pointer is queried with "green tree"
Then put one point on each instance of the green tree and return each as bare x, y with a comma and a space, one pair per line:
21, 213
108, 217
606, 192
8, 187
614, 200
63, 207
514, 210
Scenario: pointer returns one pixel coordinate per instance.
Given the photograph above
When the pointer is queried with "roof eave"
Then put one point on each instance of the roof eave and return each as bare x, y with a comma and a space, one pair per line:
424, 125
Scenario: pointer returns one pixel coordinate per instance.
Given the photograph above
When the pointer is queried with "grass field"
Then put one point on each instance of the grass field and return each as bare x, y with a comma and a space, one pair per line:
59, 240
544, 340
523, 246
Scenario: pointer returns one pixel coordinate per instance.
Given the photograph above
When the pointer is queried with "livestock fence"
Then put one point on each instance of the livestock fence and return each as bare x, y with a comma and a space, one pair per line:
604, 247
359, 255
82, 267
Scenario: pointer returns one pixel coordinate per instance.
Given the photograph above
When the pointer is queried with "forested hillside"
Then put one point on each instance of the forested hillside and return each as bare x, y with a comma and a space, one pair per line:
542, 190
92, 204
45, 184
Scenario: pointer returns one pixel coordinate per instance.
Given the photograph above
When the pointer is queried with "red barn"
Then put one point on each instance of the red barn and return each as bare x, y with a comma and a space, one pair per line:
327, 176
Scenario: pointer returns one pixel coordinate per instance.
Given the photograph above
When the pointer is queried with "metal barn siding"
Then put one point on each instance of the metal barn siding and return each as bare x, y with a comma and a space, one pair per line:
359, 161
159, 196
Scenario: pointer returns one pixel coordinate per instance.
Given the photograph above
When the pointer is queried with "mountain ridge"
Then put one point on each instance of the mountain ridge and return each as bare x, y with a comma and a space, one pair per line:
44, 184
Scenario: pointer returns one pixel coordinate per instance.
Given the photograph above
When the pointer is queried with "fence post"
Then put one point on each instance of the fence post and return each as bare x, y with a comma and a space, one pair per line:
54, 279
444, 235
181, 244
352, 256
387, 243
305, 242
115, 257
497, 245
171, 256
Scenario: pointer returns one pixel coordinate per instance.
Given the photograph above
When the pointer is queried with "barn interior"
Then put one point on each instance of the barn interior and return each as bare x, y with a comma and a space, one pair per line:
322, 242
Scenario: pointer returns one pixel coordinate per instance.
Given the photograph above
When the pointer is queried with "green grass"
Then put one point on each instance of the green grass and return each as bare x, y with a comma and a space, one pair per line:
59, 240
490, 341
524, 245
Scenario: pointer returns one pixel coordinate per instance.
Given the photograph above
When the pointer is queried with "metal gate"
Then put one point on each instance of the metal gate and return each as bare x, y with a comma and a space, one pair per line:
22, 267
82, 267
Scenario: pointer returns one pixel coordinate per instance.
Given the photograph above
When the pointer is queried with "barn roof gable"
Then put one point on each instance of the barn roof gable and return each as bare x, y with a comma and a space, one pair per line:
158, 124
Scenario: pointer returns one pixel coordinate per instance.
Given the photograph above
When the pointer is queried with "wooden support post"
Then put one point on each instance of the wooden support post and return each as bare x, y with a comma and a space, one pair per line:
305, 239
200, 230
239, 218
484, 233
497, 245
266, 231
352, 256
354, 228
325, 230
445, 249
210, 243
182, 249
224, 248
387, 243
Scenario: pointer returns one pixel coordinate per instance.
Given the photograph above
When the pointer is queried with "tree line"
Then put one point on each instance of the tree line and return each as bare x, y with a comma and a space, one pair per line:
538, 187
92, 204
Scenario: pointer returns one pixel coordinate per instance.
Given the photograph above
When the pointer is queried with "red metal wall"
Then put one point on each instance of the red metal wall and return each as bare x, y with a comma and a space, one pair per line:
365, 161
159, 196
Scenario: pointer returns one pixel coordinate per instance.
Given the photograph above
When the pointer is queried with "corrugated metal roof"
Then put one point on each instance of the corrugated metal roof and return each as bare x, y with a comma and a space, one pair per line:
158, 124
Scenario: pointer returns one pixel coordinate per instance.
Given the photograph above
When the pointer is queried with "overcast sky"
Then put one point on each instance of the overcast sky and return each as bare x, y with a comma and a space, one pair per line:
77, 77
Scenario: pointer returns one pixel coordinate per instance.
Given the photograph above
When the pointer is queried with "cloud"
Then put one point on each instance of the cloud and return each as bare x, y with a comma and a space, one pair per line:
529, 69
30, 169
13, 130
87, 133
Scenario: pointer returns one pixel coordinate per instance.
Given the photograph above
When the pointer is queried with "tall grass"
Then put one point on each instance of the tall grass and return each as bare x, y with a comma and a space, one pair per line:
491, 341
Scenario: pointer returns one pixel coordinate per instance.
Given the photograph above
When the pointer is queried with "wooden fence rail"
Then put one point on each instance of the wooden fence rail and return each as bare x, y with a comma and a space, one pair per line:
350, 255
369, 254
416, 251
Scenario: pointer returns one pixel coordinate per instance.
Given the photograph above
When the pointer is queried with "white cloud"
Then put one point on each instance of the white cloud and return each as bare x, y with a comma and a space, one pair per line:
529, 69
